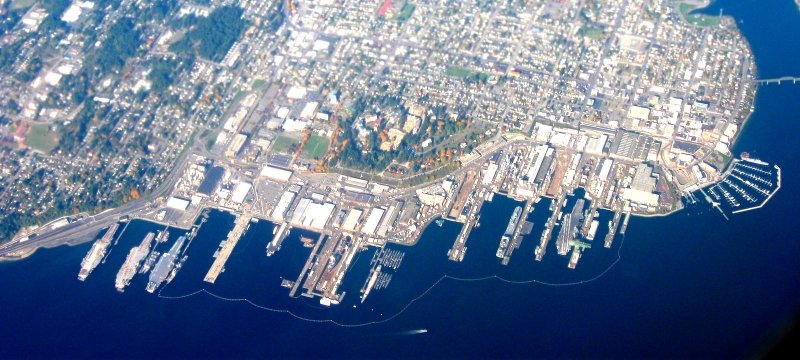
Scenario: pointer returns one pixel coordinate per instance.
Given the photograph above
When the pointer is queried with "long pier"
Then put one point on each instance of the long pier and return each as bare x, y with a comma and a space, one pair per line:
517, 238
306, 267
612, 229
456, 253
322, 260
227, 248
625, 222
541, 249
778, 81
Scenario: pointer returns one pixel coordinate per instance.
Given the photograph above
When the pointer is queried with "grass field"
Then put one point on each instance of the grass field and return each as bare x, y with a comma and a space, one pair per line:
594, 33
316, 146
41, 138
258, 84
406, 12
697, 20
465, 74
457, 71
284, 143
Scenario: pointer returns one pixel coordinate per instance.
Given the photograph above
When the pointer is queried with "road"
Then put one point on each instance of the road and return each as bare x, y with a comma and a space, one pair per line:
87, 228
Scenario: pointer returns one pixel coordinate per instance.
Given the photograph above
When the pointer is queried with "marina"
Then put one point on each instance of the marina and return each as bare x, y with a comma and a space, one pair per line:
748, 184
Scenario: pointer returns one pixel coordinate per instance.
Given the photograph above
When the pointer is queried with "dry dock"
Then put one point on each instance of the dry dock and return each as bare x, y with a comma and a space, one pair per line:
226, 248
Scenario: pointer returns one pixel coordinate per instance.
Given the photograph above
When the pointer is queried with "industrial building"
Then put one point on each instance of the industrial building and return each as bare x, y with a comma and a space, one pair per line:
211, 181
276, 174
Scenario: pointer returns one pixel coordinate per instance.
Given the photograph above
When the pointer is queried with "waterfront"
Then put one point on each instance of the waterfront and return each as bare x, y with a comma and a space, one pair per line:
688, 284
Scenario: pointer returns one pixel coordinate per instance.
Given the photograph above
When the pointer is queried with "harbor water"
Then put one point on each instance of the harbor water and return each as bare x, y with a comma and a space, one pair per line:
690, 284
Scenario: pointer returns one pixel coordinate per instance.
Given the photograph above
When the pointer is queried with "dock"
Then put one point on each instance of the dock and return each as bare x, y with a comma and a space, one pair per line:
306, 267
456, 253
612, 229
280, 234
625, 222
226, 248
517, 238
541, 249
587, 224
321, 261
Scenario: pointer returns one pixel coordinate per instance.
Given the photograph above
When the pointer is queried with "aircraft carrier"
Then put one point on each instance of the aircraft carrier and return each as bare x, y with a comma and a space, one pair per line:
569, 226
96, 253
164, 265
132, 262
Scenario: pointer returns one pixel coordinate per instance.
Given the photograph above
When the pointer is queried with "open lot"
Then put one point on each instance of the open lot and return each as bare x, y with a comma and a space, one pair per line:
284, 144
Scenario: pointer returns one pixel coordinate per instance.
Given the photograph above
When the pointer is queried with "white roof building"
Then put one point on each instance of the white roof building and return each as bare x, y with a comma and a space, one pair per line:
279, 212
178, 203
240, 192
351, 221
276, 174
372, 222
312, 215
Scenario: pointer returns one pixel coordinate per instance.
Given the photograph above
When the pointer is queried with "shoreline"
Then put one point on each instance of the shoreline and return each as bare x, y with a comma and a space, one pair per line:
29, 251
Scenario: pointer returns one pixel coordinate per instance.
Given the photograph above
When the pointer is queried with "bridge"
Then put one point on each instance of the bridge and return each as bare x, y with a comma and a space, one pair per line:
778, 81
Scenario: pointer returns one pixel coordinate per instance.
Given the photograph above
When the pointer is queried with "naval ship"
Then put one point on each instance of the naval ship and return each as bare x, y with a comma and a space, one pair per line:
569, 226
510, 229
132, 262
164, 265
96, 253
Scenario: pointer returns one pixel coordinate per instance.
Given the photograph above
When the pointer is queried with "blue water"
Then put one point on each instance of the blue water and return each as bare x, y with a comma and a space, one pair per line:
691, 284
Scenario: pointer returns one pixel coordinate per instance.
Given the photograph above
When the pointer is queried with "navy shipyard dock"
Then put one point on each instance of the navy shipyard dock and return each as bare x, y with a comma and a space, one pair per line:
226, 248
340, 216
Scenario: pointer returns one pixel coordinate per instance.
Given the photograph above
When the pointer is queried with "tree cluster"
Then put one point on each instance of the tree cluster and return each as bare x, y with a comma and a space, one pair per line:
213, 36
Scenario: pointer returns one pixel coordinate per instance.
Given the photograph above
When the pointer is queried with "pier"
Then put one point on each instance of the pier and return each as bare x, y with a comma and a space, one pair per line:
625, 222
778, 170
226, 248
548, 228
306, 267
280, 234
319, 261
612, 229
456, 253
517, 239
777, 81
